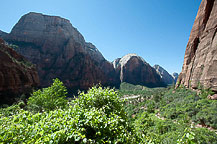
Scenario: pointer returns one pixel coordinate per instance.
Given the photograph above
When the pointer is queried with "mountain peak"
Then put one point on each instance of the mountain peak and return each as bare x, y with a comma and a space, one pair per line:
36, 27
133, 69
167, 78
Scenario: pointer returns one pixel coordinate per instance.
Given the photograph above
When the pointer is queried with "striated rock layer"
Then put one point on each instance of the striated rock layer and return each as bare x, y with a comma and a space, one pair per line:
59, 50
200, 61
166, 77
17, 75
133, 69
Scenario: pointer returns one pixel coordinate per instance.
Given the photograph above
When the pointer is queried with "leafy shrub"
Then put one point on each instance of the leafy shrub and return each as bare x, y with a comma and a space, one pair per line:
101, 98
49, 98
150, 105
197, 136
204, 136
103, 116
152, 129
205, 93
95, 117
179, 108
11, 110
187, 138
185, 105
207, 113
99, 116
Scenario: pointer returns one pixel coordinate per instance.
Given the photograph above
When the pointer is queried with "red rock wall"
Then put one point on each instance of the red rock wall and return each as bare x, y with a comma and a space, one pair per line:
16, 78
60, 51
200, 61
134, 70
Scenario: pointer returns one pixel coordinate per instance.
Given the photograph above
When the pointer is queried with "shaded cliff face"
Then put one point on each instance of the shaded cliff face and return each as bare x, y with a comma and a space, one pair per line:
60, 51
17, 75
133, 69
175, 76
200, 61
2, 34
166, 77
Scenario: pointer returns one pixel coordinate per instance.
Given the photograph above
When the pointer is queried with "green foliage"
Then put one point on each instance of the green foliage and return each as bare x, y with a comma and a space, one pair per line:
197, 135
207, 113
13, 46
21, 61
9, 111
204, 136
187, 138
176, 110
49, 98
101, 98
186, 105
153, 129
205, 93
102, 116
95, 117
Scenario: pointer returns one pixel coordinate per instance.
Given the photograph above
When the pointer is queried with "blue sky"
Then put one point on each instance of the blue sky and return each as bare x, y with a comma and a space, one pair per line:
157, 30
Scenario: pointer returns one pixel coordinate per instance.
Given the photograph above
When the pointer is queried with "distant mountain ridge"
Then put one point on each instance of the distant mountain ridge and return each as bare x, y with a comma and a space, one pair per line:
60, 51
133, 69
167, 78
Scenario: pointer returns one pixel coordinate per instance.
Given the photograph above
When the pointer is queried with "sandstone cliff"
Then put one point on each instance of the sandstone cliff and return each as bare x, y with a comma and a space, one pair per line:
133, 69
166, 77
200, 61
59, 50
17, 75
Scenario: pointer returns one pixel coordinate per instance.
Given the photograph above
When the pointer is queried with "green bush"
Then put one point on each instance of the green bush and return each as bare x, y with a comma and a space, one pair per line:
101, 98
99, 116
48, 98
187, 138
197, 136
95, 117
205, 93
152, 129
179, 108
204, 136
103, 116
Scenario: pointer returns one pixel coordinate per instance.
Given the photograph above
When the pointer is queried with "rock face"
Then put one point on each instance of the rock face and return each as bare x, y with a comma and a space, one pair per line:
60, 51
200, 61
133, 69
17, 75
2, 34
175, 76
166, 77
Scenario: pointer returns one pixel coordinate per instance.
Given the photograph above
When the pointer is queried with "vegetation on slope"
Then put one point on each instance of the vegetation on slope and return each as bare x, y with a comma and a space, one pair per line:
95, 117
171, 116
103, 115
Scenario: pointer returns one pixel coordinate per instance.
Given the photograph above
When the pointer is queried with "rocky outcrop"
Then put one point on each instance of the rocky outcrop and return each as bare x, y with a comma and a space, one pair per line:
166, 77
94, 52
200, 61
17, 75
59, 50
116, 63
2, 34
175, 76
133, 69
